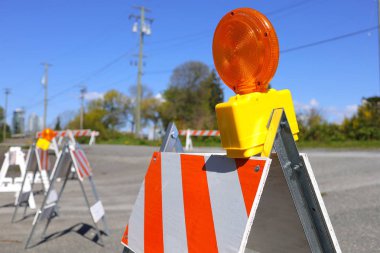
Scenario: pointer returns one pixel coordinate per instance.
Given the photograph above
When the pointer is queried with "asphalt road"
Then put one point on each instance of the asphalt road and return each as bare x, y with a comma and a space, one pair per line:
349, 181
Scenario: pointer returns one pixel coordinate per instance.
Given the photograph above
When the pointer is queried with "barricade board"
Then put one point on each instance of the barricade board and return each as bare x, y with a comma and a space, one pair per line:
72, 155
196, 196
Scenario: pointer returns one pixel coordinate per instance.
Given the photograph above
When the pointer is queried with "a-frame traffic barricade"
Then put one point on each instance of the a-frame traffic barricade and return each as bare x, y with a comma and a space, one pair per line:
72, 155
38, 166
212, 203
15, 157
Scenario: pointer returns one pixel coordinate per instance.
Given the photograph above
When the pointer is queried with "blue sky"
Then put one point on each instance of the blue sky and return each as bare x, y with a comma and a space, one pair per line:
91, 43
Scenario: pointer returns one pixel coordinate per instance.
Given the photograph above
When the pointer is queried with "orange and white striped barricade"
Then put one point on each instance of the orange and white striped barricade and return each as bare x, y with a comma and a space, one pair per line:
71, 155
211, 203
16, 157
76, 133
188, 133
39, 164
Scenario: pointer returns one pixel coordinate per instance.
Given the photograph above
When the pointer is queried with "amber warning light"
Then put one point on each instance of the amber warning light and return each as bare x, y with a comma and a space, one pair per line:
47, 136
245, 50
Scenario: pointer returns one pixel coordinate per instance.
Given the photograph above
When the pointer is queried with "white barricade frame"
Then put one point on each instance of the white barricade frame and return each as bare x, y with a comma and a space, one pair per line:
16, 157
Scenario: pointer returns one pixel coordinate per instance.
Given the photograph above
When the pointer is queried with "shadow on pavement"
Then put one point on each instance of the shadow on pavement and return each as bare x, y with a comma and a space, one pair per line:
82, 229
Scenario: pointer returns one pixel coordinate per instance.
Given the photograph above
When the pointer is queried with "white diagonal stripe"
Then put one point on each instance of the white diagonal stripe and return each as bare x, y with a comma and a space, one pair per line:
136, 223
173, 213
83, 162
77, 163
227, 202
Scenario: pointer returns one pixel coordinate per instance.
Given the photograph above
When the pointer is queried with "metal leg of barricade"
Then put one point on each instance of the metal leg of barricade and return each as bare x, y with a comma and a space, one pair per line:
44, 202
17, 204
89, 209
96, 195
313, 220
57, 201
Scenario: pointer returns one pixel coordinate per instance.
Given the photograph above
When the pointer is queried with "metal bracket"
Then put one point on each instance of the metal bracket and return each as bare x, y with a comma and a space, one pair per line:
307, 199
171, 141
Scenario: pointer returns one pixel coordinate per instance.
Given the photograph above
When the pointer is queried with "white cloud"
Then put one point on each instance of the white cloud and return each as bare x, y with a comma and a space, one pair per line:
302, 108
159, 97
330, 113
314, 103
93, 95
337, 115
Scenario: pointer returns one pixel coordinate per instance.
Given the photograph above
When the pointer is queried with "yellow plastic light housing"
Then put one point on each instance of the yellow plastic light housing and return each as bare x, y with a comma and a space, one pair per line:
243, 120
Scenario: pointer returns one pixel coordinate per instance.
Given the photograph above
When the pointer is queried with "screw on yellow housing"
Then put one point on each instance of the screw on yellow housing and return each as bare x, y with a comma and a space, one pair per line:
47, 136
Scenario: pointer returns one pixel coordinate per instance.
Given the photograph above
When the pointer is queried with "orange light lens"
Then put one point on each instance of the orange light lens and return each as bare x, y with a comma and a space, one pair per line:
246, 51
48, 134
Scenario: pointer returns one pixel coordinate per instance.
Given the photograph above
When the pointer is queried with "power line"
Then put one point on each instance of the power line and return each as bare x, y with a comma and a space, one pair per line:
292, 49
89, 77
289, 7
316, 43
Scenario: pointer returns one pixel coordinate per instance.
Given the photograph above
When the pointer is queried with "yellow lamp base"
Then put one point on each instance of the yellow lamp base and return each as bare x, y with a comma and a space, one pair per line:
43, 144
243, 121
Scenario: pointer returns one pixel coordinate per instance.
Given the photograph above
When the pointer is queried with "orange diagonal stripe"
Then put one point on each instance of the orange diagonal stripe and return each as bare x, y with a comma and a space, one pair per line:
153, 229
199, 221
249, 179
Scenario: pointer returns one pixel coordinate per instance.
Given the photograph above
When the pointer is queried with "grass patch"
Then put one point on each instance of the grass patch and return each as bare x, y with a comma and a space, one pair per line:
130, 139
373, 144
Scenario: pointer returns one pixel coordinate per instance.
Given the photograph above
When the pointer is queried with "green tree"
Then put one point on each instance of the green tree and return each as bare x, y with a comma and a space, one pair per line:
8, 129
150, 111
117, 107
191, 97
212, 94
365, 124
106, 114
57, 126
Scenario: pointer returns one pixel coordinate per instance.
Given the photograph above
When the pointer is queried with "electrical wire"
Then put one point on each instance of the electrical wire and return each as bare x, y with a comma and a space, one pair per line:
320, 42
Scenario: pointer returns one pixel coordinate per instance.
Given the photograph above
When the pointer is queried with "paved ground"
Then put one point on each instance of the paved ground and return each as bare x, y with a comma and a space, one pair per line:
350, 182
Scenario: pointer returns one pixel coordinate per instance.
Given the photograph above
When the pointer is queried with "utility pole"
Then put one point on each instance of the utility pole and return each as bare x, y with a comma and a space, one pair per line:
143, 29
44, 82
6, 92
83, 91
